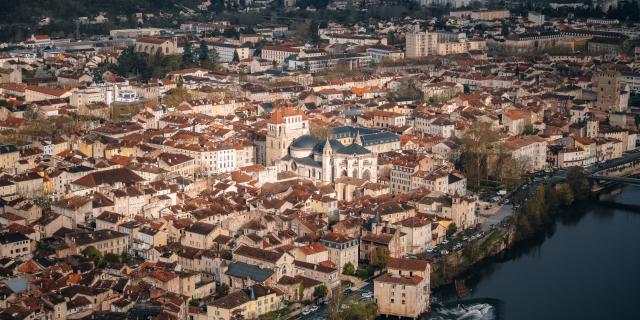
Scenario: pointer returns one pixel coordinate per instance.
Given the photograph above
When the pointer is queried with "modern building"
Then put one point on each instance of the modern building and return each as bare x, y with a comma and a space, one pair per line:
536, 18
226, 52
427, 43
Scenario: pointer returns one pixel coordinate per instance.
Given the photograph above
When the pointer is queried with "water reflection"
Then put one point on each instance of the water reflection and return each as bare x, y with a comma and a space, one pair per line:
594, 243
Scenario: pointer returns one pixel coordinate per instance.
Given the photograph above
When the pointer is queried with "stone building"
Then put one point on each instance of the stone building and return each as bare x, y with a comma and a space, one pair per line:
404, 290
285, 125
612, 93
154, 46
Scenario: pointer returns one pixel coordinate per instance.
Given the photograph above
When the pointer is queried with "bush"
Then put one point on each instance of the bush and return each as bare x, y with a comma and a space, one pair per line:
362, 274
348, 269
222, 290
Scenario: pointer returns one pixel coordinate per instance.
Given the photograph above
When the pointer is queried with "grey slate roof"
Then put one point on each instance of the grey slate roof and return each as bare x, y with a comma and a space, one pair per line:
354, 149
306, 141
245, 270
8, 149
308, 162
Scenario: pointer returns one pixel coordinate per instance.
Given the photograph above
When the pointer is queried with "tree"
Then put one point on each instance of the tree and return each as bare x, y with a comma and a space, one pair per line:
222, 290
212, 62
361, 310
176, 96
124, 257
313, 34
319, 292
236, 57
112, 257
504, 29
335, 304
451, 230
379, 257
203, 52
506, 169
131, 63
92, 253
348, 269
562, 194
301, 291
188, 58
528, 130
217, 6
391, 38
577, 180
478, 144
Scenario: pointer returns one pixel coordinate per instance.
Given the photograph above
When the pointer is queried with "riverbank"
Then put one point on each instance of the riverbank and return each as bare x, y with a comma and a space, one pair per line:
540, 207
584, 266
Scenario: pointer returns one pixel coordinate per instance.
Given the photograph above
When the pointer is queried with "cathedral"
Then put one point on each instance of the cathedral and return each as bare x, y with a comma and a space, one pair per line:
348, 151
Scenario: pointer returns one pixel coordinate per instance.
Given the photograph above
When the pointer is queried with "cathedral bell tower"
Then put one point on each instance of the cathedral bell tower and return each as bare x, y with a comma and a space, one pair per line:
327, 162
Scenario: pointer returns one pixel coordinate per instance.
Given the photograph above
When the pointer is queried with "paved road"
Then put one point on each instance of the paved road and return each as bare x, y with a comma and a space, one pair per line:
494, 216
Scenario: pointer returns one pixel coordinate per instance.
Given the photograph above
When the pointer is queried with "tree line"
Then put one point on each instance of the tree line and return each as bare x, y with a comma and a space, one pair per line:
143, 66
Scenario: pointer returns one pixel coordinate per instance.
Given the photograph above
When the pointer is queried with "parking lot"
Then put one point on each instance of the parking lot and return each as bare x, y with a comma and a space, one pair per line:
318, 312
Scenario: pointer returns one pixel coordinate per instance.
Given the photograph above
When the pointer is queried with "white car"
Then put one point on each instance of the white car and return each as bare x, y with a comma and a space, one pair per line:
306, 311
314, 308
367, 294
445, 241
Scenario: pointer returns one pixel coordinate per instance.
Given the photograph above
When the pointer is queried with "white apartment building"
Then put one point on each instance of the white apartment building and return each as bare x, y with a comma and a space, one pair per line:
226, 51
380, 52
426, 43
278, 53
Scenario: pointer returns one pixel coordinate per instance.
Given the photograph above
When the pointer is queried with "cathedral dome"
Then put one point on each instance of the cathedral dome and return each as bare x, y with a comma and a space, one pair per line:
306, 141
303, 146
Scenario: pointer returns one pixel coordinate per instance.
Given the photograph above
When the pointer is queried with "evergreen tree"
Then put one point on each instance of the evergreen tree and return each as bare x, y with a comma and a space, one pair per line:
203, 52
188, 57
313, 32
217, 6
504, 29
211, 63
236, 57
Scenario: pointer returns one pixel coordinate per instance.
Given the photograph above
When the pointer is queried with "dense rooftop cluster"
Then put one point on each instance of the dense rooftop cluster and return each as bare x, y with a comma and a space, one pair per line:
263, 167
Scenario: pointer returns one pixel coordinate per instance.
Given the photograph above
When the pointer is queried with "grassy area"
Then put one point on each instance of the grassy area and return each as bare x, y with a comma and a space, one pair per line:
490, 239
125, 111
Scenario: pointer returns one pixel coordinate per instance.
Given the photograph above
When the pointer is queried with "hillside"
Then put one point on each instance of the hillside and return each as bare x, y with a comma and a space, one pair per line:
19, 19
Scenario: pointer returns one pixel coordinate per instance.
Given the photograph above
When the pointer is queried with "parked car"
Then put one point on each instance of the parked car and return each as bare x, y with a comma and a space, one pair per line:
306, 311
314, 308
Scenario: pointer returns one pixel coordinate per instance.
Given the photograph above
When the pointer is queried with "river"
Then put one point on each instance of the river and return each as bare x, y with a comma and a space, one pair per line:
587, 266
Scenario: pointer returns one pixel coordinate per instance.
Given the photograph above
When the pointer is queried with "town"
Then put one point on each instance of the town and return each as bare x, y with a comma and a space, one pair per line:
297, 168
